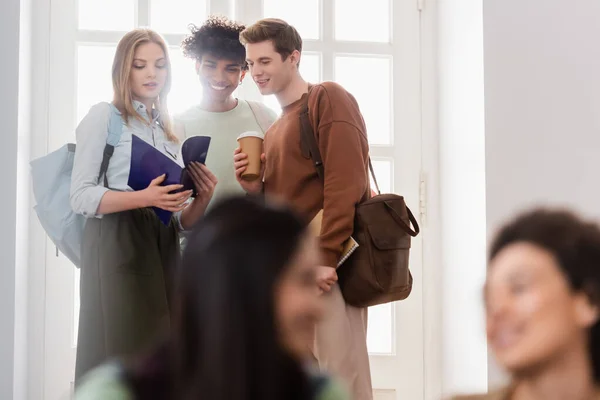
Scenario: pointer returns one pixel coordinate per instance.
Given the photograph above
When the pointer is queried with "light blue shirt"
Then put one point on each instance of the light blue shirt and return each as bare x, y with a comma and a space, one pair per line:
87, 189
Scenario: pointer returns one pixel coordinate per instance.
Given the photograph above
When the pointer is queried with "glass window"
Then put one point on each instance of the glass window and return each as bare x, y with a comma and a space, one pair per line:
379, 329
94, 76
369, 79
310, 67
383, 171
185, 90
305, 16
106, 15
355, 21
174, 16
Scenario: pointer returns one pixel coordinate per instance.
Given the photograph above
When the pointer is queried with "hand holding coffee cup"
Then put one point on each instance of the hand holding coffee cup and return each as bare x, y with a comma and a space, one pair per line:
251, 143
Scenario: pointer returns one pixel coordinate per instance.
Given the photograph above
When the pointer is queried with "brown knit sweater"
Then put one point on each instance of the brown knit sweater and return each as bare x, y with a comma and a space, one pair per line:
291, 176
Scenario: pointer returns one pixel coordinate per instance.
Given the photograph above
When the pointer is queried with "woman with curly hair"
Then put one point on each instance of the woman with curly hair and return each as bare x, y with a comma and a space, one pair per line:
221, 67
542, 307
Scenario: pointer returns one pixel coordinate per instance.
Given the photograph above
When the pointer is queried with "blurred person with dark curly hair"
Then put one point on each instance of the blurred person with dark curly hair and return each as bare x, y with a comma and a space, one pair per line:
220, 61
542, 299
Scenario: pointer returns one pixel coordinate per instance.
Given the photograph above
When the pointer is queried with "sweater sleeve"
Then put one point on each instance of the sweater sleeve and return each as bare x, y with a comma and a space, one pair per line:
345, 152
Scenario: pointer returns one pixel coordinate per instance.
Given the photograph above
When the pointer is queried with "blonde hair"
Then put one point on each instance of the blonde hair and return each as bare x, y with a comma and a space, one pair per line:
121, 72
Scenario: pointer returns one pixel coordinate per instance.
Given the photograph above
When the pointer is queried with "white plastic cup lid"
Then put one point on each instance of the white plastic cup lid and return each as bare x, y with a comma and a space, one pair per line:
259, 135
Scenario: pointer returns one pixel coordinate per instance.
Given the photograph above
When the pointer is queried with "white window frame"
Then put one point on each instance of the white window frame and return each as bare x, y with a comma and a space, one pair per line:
55, 82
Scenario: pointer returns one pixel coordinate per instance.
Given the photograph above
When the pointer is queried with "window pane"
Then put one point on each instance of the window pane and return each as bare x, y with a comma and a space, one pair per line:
305, 16
373, 17
374, 96
94, 77
379, 330
310, 68
106, 15
174, 16
186, 90
383, 173
94, 83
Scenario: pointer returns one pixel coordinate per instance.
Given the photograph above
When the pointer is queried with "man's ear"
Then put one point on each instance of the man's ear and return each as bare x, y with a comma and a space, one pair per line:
243, 75
295, 57
198, 63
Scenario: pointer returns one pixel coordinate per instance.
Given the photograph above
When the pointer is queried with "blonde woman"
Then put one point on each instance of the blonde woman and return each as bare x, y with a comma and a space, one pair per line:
128, 254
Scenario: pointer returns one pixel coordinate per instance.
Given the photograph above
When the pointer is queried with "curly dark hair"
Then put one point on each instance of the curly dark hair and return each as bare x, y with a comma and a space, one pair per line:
219, 37
574, 242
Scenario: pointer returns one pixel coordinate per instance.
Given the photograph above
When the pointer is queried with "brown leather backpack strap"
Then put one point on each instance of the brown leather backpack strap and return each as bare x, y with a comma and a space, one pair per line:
309, 139
309, 142
373, 175
406, 228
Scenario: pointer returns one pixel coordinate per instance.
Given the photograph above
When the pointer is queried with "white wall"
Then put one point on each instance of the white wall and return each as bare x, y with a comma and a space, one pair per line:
36, 305
15, 114
542, 99
9, 87
462, 193
23, 207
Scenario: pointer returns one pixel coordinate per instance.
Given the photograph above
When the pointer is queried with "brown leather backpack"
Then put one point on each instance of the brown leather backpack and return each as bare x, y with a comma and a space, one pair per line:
377, 271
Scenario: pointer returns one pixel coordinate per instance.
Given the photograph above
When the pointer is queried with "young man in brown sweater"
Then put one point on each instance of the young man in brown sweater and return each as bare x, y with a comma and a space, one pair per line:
273, 53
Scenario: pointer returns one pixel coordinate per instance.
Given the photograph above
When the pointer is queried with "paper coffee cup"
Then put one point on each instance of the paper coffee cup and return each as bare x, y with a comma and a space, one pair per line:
251, 144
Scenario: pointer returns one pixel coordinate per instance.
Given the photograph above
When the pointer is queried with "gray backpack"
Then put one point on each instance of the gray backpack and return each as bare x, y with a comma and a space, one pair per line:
51, 176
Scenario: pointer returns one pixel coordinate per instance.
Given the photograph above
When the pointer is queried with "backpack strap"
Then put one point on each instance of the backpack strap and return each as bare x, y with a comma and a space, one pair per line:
309, 141
263, 118
115, 129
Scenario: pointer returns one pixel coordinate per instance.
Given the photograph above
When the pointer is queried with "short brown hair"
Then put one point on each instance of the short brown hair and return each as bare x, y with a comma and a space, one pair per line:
285, 37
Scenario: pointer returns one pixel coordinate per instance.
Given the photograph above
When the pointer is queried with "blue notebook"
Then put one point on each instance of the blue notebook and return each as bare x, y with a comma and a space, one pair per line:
148, 163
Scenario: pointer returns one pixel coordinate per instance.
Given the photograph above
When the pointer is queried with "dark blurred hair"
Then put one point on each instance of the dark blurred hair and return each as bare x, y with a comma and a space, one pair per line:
219, 37
224, 343
576, 245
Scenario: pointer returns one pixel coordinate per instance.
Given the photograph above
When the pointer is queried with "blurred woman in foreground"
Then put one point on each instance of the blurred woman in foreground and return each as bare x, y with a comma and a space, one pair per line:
542, 295
245, 310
